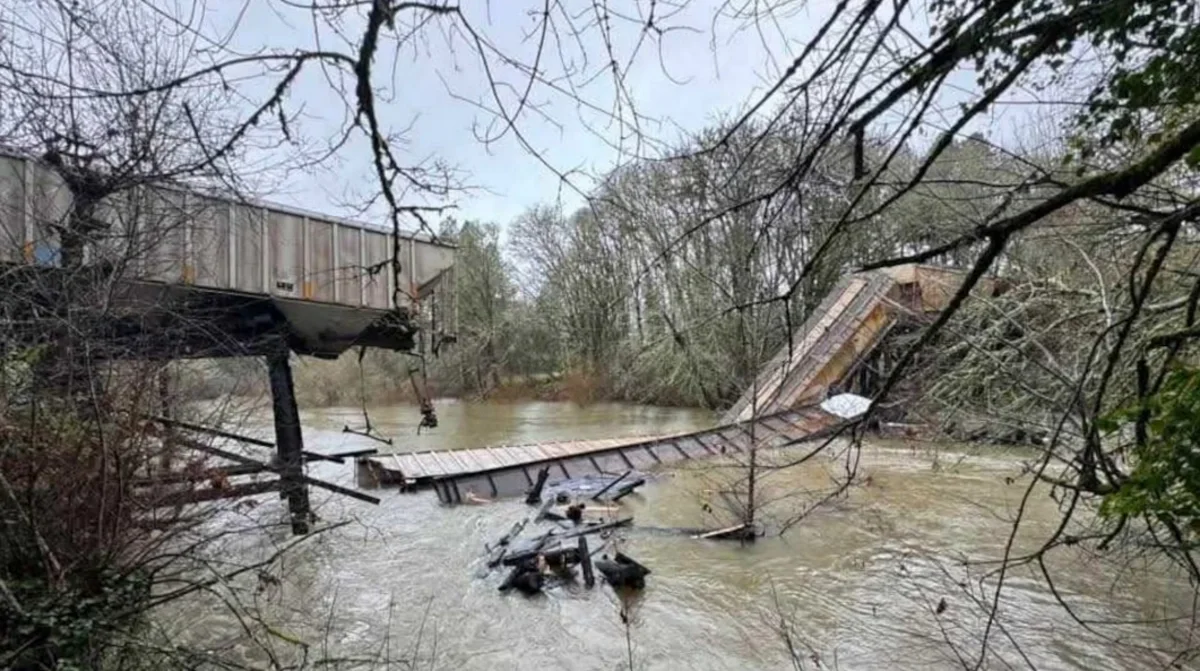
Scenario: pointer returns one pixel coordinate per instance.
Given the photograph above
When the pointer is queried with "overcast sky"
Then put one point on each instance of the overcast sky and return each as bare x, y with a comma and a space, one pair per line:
695, 82
698, 71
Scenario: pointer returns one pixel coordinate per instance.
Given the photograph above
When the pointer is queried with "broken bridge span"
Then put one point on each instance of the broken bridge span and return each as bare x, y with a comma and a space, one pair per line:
782, 407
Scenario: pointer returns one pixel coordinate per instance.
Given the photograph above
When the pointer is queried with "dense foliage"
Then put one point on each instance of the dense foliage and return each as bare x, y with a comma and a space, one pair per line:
1164, 482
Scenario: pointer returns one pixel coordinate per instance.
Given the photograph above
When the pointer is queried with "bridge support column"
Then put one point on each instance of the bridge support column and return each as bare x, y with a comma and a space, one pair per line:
289, 442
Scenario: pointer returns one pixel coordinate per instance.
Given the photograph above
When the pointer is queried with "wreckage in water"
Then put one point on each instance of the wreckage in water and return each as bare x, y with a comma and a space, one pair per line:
796, 397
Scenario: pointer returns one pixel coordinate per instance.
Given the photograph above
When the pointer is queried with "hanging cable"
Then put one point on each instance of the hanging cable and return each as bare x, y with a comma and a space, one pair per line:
368, 431
429, 418
428, 414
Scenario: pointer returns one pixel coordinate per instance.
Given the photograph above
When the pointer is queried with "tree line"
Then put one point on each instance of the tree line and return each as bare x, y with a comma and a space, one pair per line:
672, 285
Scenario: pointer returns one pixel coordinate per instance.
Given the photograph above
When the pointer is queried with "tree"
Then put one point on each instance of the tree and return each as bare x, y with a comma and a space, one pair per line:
485, 297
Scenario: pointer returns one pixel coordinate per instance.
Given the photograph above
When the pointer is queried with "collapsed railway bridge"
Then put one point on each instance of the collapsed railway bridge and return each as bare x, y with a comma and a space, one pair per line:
827, 355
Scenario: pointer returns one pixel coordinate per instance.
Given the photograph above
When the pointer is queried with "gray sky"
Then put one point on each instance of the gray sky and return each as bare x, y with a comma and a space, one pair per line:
702, 74
698, 71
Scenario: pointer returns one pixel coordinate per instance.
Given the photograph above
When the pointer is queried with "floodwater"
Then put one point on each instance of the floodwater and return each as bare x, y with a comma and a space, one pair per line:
886, 576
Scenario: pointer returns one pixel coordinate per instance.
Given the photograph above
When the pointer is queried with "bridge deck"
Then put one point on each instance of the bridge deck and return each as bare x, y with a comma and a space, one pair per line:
851, 320
783, 407
510, 470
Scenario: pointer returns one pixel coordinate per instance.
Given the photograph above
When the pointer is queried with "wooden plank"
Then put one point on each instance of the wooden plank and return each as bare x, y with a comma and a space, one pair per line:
397, 464
354, 453
500, 455
541, 452
432, 464
489, 457
803, 349
790, 418
461, 461
721, 533
757, 431
690, 446
482, 458
515, 455
211, 431
573, 447
621, 453
490, 464
705, 441
249, 440
556, 450
835, 321
454, 465
736, 440
406, 464
791, 432
777, 425
650, 450
467, 461
426, 465
525, 454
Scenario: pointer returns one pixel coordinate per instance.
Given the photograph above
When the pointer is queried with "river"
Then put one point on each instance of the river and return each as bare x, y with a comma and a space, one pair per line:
857, 584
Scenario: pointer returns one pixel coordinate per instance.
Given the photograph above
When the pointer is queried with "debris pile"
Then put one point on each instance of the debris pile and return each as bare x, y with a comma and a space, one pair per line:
565, 519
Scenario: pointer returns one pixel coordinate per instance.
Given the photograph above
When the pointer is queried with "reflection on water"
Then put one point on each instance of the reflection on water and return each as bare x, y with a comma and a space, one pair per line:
856, 585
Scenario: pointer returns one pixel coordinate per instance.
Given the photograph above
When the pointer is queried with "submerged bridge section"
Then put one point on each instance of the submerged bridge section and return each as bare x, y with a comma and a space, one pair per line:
845, 329
784, 405
512, 469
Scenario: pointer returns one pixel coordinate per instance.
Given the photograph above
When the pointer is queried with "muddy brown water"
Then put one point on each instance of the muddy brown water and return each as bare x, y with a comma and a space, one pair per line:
855, 585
